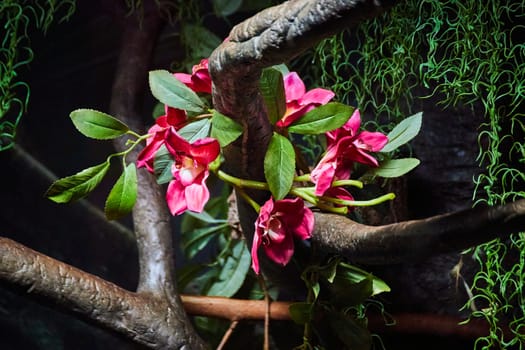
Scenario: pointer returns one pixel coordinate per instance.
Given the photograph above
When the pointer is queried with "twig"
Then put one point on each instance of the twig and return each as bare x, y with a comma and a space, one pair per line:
227, 335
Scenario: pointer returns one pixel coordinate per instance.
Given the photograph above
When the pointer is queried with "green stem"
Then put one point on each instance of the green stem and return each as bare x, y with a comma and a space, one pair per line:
302, 178
354, 183
248, 199
139, 137
242, 183
367, 203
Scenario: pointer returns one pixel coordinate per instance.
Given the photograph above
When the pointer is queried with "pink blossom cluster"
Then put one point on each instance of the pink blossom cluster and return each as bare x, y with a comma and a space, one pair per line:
187, 190
279, 221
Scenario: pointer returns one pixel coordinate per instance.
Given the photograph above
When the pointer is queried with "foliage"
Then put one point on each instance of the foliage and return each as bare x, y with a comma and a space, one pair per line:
17, 18
462, 53
181, 153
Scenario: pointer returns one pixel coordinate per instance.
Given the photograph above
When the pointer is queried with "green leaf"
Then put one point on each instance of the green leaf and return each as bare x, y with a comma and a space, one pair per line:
123, 195
225, 8
301, 313
200, 40
355, 336
162, 164
281, 68
322, 119
77, 186
403, 132
224, 129
279, 166
187, 275
169, 90
394, 167
195, 240
196, 130
97, 125
272, 90
356, 275
233, 271
205, 217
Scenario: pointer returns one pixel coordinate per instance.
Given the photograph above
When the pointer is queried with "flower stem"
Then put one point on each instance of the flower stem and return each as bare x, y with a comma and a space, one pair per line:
367, 203
248, 199
354, 183
241, 183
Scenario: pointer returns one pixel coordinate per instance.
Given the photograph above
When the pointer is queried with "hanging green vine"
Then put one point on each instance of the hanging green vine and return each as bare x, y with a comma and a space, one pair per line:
461, 53
17, 16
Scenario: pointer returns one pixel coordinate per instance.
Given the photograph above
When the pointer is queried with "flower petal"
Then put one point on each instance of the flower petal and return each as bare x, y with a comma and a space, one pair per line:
255, 246
294, 87
176, 198
147, 155
205, 150
375, 141
175, 117
306, 226
317, 96
353, 123
176, 143
280, 253
197, 195
323, 174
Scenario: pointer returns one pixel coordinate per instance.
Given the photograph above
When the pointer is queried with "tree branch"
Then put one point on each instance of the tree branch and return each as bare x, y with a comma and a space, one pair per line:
146, 320
417, 238
150, 216
273, 36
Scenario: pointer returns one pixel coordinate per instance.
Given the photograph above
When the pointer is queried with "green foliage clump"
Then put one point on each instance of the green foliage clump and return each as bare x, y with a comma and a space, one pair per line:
462, 53
17, 17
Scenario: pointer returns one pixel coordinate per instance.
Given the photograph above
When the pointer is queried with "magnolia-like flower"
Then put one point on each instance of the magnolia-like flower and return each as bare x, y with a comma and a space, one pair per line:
277, 225
298, 101
199, 80
174, 118
345, 146
188, 190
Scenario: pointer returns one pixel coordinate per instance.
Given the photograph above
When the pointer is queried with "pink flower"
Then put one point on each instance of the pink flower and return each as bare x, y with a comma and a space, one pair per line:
188, 190
199, 80
174, 118
298, 101
276, 226
344, 147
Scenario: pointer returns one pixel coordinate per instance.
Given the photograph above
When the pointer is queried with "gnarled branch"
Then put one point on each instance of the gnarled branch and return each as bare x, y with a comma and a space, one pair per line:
417, 238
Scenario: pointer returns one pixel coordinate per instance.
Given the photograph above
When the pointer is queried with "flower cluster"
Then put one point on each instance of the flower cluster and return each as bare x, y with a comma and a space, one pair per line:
281, 220
187, 190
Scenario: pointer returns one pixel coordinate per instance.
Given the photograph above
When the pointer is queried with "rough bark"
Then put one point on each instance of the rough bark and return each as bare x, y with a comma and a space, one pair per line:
154, 315
414, 239
146, 319
273, 36
151, 219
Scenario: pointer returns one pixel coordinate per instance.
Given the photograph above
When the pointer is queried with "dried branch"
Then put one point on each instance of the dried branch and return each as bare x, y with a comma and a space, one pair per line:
418, 238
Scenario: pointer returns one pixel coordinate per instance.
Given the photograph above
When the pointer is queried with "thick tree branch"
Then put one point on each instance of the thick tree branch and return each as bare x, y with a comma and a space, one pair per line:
418, 238
145, 319
150, 216
273, 36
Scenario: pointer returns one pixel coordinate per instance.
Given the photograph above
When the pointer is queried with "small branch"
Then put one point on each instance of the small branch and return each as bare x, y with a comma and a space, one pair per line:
405, 323
418, 238
227, 335
235, 309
